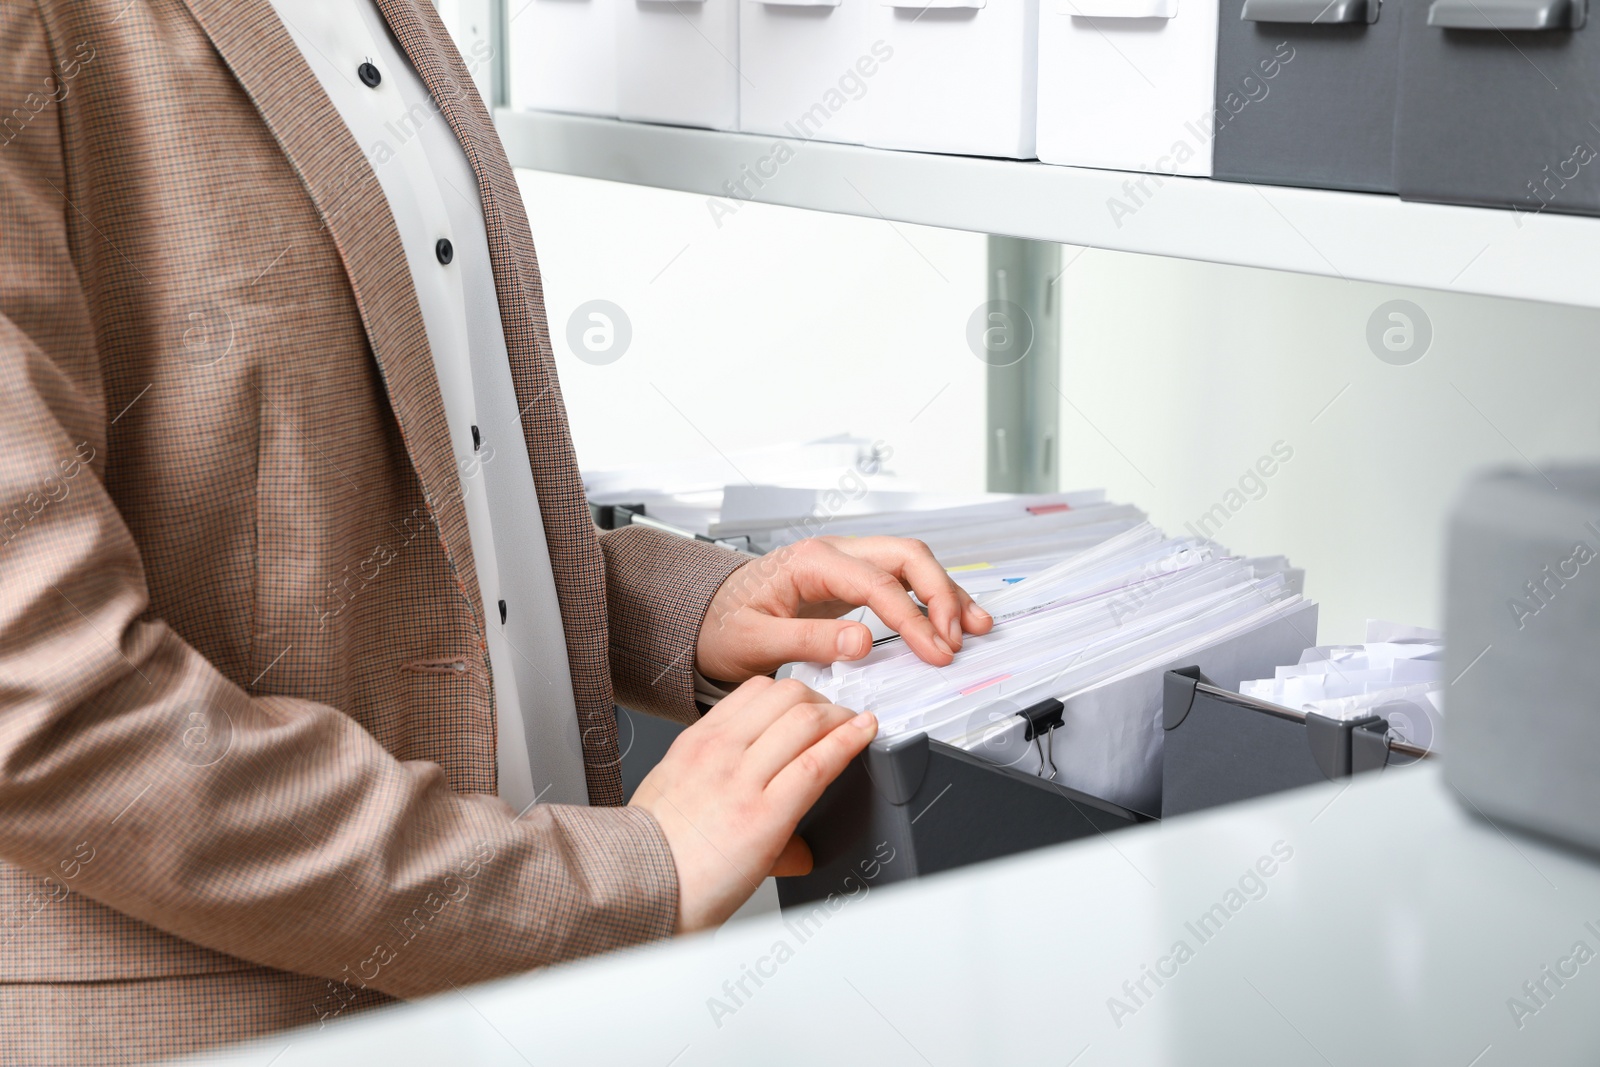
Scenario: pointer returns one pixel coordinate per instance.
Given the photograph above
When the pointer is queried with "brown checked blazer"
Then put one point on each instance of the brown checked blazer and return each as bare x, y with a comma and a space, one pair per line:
247, 726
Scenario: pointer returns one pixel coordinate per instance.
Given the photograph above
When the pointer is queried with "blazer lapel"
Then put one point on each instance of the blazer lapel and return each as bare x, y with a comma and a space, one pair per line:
575, 555
268, 64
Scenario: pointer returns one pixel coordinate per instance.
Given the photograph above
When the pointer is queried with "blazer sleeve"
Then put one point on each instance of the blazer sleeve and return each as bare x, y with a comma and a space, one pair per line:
659, 590
275, 830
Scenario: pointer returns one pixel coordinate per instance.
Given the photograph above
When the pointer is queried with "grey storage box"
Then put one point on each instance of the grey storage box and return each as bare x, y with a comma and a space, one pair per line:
1522, 612
1223, 747
910, 806
1482, 120
934, 807
1312, 86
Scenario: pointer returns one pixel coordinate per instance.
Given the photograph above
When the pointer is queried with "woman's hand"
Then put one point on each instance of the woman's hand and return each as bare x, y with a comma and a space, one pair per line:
732, 788
785, 606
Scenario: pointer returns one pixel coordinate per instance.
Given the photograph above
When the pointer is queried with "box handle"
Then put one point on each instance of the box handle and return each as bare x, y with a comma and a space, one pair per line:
795, 3
1508, 14
1119, 9
923, 5
1177, 694
1309, 12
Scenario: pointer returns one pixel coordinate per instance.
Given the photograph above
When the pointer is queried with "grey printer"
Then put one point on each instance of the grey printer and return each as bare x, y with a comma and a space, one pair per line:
1522, 717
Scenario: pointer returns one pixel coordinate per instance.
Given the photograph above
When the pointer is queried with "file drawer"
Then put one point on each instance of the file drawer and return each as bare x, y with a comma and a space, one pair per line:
809, 68
677, 62
564, 56
959, 77
1482, 120
1306, 92
936, 807
911, 807
1128, 84
1222, 747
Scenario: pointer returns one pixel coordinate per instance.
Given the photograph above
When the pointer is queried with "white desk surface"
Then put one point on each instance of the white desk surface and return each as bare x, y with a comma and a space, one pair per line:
1397, 932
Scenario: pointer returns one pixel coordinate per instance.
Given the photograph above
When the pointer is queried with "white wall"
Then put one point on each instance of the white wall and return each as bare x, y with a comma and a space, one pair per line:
783, 324
779, 325
1194, 371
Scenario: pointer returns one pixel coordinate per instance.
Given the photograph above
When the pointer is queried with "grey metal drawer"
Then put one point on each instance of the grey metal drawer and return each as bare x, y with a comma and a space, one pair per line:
1499, 101
1314, 84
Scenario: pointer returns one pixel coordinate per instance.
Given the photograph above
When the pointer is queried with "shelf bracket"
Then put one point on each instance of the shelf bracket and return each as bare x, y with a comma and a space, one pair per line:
1019, 337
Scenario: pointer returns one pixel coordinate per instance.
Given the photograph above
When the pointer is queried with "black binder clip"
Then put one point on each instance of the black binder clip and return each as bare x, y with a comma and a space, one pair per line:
1039, 725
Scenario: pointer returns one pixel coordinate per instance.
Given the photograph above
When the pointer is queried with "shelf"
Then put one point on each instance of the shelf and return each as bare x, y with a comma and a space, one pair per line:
1548, 257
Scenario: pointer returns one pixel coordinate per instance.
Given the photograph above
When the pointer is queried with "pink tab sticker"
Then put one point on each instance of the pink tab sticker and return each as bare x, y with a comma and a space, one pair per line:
996, 680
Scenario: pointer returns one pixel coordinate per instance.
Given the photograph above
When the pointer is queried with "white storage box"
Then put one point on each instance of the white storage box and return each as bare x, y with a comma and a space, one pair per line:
1128, 84
809, 68
960, 76
678, 62
564, 56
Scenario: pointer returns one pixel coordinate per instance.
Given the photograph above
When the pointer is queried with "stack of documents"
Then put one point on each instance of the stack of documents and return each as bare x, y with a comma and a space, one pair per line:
690, 494
1094, 632
843, 487
1092, 604
986, 545
1398, 674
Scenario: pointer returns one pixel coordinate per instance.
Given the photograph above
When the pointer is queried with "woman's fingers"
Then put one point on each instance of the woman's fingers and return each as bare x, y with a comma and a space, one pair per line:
789, 736
795, 788
950, 608
823, 572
